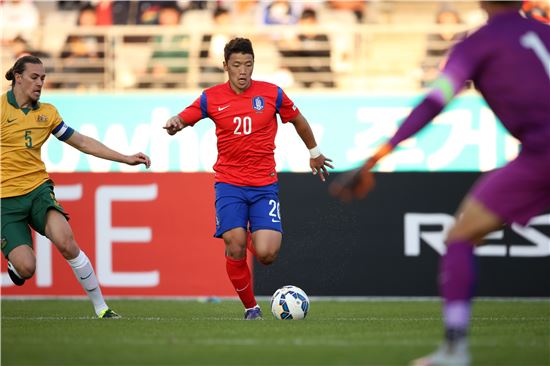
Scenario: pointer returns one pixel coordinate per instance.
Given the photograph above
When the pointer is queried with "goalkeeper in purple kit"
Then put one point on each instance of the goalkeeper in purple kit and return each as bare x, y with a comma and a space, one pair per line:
508, 60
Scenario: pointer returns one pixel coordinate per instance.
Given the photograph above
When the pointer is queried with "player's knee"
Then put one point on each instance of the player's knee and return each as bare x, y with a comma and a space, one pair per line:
68, 247
456, 234
26, 269
267, 257
235, 250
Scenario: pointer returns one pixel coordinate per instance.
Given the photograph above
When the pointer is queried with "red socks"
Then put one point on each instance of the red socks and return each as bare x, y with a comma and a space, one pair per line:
239, 274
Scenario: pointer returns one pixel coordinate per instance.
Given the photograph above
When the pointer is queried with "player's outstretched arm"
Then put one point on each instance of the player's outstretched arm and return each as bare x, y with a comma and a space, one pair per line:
174, 125
357, 183
317, 162
93, 147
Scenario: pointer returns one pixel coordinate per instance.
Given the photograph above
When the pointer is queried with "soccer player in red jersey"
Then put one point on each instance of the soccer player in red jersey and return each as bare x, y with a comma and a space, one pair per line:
244, 111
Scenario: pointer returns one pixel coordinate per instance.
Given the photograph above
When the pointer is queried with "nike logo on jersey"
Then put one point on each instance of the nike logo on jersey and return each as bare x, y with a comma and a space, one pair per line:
11, 120
222, 108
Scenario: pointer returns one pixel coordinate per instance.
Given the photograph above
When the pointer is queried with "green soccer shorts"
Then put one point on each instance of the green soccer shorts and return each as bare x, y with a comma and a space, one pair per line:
21, 211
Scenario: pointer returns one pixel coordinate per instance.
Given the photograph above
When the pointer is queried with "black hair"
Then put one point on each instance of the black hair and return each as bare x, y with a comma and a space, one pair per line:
238, 45
309, 14
83, 9
220, 11
20, 65
86, 7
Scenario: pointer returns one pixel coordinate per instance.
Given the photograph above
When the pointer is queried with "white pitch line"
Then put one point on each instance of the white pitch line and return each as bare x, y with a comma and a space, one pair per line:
340, 319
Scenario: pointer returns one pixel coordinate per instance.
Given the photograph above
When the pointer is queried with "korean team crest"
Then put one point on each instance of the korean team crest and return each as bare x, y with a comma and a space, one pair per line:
258, 103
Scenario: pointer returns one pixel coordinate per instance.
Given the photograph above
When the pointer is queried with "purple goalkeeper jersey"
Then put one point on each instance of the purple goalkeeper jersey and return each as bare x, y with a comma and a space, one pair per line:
508, 60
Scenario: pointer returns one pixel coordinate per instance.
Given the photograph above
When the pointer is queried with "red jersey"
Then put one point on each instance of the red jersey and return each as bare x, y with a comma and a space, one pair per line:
246, 125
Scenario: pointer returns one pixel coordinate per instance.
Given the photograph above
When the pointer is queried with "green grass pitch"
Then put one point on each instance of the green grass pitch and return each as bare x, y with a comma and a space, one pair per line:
171, 332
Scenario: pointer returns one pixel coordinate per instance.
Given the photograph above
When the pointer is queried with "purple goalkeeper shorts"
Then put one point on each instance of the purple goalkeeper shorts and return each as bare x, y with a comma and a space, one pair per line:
519, 190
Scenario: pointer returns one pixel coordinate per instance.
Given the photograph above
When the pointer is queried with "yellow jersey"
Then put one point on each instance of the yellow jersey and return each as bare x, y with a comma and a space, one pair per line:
23, 132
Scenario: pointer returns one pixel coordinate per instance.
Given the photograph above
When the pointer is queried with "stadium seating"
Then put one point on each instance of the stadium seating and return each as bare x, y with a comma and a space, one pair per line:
385, 52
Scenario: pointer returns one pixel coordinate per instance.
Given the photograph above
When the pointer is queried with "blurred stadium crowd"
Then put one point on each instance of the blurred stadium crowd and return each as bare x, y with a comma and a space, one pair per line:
362, 46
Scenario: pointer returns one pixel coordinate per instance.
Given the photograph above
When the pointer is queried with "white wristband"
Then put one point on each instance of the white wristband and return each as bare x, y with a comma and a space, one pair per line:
315, 152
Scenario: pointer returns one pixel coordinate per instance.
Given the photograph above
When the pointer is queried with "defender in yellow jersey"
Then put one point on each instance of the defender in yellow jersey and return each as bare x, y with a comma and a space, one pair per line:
26, 192
24, 131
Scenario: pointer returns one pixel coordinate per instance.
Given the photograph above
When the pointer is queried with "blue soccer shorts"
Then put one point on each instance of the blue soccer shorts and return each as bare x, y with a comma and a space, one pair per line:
251, 208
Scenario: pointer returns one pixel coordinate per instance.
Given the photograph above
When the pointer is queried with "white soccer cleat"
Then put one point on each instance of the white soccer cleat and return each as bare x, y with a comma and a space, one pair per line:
447, 354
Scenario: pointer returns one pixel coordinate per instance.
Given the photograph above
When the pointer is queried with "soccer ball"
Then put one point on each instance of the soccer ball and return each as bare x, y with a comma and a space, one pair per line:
289, 303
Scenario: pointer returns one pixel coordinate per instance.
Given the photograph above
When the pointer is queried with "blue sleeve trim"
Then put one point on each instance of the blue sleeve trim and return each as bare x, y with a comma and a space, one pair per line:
62, 131
58, 128
204, 105
68, 133
279, 99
